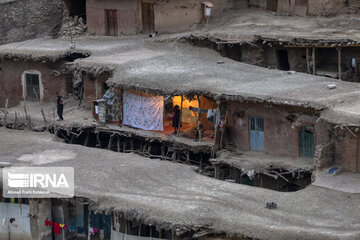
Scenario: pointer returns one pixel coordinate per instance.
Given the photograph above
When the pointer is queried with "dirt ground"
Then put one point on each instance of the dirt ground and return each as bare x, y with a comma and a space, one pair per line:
174, 195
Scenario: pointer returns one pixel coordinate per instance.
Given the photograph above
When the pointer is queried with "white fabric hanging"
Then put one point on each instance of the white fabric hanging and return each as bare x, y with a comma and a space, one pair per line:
143, 112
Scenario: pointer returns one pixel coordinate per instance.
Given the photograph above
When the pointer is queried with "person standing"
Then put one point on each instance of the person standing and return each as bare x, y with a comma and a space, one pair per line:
176, 118
60, 106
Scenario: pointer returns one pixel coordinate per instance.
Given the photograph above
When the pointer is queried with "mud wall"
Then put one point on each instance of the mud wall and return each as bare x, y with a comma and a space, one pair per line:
11, 80
93, 88
183, 15
26, 19
306, 7
347, 152
169, 15
281, 127
127, 12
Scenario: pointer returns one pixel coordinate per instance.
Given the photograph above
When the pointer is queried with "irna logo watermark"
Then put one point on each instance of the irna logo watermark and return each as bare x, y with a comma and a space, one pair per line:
38, 182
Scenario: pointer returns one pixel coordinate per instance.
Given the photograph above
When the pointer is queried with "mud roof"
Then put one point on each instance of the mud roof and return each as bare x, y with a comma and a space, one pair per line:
173, 196
175, 67
250, 25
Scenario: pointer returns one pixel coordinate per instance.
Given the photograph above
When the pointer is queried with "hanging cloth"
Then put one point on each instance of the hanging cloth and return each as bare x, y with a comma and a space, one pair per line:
48, 223
56, 228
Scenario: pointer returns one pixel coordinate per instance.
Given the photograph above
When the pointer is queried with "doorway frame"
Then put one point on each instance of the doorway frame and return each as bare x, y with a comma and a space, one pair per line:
149, 2
116, 24
23, 83
302, 151
263, 132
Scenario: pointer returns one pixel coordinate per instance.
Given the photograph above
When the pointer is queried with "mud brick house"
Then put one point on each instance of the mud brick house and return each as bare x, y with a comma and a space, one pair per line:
294, 121
277, 42
303, 7
287, 124
165, 200
114, 18
35, 76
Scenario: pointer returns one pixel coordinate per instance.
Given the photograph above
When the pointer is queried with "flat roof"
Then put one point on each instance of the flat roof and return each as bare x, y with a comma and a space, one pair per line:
175, 67
260, 161
174, 196
247, 25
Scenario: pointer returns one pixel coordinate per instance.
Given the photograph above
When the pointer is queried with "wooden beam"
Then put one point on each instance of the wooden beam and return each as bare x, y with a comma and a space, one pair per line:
199, 119
6, 110
308, 60
44, 117
339, 62
181, 110
314, 60
330, 45
215, 147
118, 144
224, 127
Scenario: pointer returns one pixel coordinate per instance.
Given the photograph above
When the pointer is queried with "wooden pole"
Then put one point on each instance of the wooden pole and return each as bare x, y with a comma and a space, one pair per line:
314, 60
15, 123
118, 144
6, 110
89, 223
308, 60
199, 119
215, 147
181, 110
339, 62
224, 127
44, 117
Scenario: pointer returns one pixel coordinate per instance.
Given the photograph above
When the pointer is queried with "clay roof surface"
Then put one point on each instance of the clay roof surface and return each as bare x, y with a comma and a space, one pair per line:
173, 195
174, 67
249, 24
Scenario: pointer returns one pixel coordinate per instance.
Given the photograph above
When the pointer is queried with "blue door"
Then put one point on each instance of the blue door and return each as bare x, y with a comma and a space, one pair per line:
256, 133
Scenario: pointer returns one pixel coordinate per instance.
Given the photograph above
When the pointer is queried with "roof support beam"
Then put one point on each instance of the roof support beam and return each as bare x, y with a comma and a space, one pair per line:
308, 60
339, 62
314, 60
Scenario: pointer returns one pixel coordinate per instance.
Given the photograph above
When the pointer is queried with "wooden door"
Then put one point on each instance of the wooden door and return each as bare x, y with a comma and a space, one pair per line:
148, 17
307, 148
272, 5
32, 87
111, 23
256, 125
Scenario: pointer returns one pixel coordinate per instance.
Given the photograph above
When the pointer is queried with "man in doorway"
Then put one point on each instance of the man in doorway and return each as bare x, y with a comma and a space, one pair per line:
176, 118
60, 106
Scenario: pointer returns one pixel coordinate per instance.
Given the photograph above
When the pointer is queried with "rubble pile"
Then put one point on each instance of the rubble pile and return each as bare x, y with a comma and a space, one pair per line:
72, 26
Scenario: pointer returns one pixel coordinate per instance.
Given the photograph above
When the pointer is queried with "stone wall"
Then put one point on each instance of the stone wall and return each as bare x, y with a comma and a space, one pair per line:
25, 19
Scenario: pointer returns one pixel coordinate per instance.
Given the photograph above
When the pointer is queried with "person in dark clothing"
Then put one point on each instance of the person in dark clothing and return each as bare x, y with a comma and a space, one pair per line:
176, 118
60, 106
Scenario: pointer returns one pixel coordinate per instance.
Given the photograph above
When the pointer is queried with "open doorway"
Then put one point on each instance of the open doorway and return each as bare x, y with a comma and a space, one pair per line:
111, 22
77, 8
272, 5
148, 17
32, 85
283, 60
